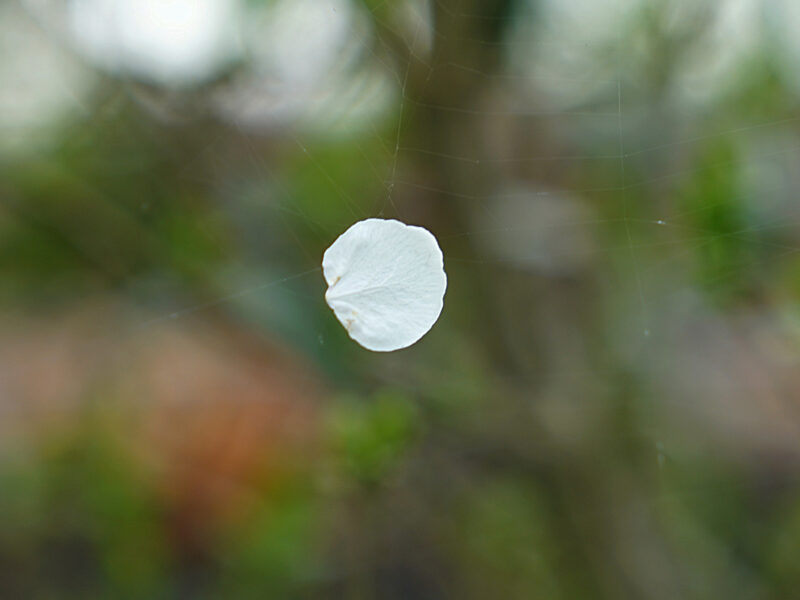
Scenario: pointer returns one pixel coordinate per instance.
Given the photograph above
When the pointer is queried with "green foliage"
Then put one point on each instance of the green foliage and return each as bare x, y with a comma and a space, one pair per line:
782, 563
273, 552
711, 201
79, 521
503, 540
371, 437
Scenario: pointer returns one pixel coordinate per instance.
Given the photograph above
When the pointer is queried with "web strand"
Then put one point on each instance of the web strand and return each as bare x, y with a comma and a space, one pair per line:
515, 109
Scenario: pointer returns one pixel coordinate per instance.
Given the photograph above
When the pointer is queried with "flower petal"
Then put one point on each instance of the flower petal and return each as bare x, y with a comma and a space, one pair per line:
386, 283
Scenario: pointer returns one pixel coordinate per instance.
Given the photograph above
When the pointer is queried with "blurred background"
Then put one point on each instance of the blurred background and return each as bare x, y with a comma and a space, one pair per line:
609, 406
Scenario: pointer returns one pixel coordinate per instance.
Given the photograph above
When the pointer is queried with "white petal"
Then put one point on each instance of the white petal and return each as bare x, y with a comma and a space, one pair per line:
386, 283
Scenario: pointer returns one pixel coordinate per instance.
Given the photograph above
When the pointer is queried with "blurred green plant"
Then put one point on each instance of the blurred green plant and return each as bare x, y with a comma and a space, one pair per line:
79, 520
370, 437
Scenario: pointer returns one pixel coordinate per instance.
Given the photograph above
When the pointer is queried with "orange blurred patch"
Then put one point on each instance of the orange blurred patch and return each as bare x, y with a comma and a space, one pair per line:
215, 416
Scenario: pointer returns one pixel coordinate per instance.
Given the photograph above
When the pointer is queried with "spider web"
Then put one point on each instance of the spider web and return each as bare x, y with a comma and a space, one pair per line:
630, 209
627, 198
621, 150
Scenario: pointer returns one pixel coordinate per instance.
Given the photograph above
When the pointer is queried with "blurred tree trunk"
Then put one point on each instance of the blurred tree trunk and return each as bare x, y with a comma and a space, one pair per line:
453, 116
448, 119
